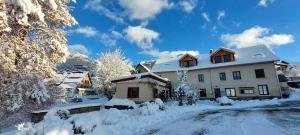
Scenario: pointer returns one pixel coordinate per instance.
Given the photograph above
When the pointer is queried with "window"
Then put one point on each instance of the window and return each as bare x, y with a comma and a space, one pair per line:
133, 92
236, 75
260, 73
227, 58
202, 92
188, 63
247, 90
201, 78
222, 76
218, 59
230, 92
263, 90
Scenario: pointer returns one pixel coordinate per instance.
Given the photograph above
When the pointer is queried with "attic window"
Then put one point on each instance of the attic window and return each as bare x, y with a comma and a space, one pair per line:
222, 55
188, 61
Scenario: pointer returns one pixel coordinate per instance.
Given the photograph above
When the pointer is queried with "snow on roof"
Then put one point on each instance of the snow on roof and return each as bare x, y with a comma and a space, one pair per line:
247, 55
136, 76
72, 77
68, 85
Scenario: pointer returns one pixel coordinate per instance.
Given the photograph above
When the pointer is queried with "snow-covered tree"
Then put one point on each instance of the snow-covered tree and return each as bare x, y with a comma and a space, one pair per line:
32, 42
111, 65
184, 91
78, 62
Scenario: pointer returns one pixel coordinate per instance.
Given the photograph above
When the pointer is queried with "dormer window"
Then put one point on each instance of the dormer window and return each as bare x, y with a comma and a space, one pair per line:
218, 59
222, 55
227, 58
188, 61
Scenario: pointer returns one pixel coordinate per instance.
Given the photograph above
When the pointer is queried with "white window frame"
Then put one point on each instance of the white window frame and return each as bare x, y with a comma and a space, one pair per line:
263, 89
230, 92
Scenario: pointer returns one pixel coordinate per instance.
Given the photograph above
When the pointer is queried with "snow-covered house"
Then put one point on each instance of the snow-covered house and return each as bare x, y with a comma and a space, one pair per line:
242, 73
142, 87
76, 83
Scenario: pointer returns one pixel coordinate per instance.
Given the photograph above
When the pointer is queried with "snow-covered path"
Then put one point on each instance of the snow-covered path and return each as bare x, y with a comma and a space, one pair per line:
280, 119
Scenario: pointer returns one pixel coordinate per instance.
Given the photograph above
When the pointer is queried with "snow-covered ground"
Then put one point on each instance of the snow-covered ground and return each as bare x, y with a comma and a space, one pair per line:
276, 116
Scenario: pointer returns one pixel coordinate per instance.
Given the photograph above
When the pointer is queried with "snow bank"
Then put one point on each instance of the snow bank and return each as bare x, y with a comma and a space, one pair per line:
224, 100
54, 125
118, 101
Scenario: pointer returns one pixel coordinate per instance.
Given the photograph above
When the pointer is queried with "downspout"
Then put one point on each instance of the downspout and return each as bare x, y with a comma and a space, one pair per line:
211, 87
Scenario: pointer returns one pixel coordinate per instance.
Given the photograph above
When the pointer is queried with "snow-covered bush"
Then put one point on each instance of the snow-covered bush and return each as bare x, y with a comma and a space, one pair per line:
26, 129
224, 100
111, 65
149, 108
184, 91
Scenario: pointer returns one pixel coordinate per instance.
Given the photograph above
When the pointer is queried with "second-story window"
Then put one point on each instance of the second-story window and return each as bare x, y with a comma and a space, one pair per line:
218, 59
260, 73
201, 78
236, 75
222, 76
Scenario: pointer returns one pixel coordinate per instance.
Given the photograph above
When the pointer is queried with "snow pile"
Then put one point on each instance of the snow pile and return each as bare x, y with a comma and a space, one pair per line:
96, 122
152, 108
118, 101
224, 100
54, 125
295, 94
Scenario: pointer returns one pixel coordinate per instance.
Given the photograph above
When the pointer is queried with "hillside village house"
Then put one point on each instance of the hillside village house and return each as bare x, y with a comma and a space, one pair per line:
76, 82
244, 73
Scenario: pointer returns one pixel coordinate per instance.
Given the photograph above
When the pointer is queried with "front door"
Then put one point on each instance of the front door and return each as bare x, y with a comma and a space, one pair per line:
217, 92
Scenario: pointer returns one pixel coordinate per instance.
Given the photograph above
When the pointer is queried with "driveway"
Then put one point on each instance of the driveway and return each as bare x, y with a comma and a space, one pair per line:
282, 119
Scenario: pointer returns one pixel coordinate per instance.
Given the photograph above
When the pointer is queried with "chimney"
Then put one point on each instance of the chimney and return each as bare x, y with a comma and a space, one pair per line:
211, 51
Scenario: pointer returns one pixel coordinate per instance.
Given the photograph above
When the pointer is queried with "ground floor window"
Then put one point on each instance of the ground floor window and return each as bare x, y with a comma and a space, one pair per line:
247, 90
133, 92
263, 89
203, 93
230, 92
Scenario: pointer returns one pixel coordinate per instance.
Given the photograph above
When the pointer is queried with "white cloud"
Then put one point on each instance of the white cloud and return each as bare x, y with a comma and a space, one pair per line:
144, 9
141, 36
99, 7
205, 17
87, 31
166, 55
110, 39
265, 3
188, 5
256, 36
221, 14
78, 48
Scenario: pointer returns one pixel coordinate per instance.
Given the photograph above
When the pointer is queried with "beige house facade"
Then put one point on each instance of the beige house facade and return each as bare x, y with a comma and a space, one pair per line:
248, 86
243, 73
142, 87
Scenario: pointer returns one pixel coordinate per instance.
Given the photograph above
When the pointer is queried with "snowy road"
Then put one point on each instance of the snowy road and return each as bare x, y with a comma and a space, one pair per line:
282, 119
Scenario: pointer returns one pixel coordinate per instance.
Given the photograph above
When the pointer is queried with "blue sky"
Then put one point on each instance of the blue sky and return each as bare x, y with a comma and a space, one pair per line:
150, 29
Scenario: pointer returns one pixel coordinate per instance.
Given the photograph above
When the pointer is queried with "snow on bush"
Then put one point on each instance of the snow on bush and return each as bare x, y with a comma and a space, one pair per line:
224, 100
151, 108
118, 101
26, 129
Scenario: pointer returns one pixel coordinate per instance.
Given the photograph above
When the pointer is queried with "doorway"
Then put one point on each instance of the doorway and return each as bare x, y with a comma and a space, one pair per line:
217, 92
